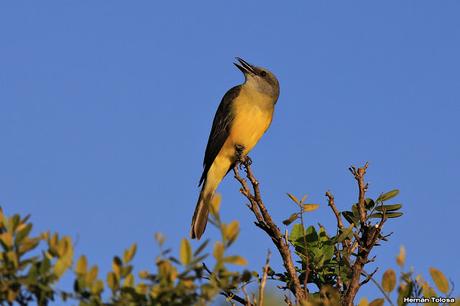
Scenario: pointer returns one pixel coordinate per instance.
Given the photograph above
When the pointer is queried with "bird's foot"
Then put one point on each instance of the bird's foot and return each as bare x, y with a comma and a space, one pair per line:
240, 158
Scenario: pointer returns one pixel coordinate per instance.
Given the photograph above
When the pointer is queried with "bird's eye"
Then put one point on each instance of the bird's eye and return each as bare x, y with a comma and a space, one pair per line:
263, 73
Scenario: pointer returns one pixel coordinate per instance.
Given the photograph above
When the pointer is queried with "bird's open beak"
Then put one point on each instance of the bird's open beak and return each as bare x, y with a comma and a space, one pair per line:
244, 66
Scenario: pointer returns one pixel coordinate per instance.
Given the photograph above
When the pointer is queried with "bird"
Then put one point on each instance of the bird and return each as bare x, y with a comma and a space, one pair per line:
244, 114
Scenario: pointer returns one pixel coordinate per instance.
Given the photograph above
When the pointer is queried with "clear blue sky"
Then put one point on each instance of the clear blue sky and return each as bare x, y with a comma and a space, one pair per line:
106, 107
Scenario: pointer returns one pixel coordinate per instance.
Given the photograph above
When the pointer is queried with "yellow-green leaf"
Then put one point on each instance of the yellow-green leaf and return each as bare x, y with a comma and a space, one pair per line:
22, 232
440, 280
116, 266
428, 292
6, 239
389, 280
389, 195
91, 275
218, 250
97, 287
60, 267
215, 204
293, 198
129, 253
401, 258
231, 231
310, 207
185, 252
12, 258
363, 302
142, 288
291, 219
236, 260
377, 302
129, 281
112, 281
82, 265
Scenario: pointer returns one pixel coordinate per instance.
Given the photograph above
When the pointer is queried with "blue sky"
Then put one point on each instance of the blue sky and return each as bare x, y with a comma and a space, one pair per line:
106, 107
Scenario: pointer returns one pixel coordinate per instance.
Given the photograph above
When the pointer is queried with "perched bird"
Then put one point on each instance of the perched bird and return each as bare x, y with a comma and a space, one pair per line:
243, 116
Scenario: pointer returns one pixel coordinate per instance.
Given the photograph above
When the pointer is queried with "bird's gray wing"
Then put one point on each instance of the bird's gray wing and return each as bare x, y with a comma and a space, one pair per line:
220, 129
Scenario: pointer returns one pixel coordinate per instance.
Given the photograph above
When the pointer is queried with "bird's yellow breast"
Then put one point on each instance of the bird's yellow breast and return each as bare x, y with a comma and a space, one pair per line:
252, 115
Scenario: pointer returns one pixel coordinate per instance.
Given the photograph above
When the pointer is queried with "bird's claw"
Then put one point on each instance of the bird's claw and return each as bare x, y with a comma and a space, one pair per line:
240, 158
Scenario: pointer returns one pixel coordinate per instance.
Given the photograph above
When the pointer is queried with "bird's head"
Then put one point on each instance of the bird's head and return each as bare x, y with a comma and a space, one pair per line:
259, 78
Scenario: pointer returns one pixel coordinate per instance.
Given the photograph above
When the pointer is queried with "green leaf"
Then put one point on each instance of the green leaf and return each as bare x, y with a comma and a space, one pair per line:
112, 281
116, 266
129, 253
129, 281
214, 206
231, 232
440, 280
310, 207
311, 234
369, 203
377, 302
185, 252
97, 287
91, 275
404, 290
23, 232
236, 260
291, 219
349, 216
363, 302
388, 215
388, 195
218, 250
355, 211
388, 208
389, 280
345, 233
82, 265
293, 198
297, 232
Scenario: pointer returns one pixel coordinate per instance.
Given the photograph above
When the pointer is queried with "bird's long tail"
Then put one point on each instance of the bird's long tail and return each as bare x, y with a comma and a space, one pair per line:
200, 217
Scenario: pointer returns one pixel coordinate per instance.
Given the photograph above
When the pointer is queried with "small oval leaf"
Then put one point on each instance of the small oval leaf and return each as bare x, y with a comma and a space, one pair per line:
388, 195
440, 280
389, 280
310, 207
293, 198
291, 219
388, 208
401, 258
185, 252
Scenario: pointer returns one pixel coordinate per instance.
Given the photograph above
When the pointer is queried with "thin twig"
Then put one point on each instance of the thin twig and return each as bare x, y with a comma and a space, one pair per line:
378, 286
307, 258
368, 276
264, 279
227, 293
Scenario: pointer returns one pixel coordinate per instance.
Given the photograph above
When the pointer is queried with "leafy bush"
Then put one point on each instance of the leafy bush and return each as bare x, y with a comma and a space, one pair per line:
331, 262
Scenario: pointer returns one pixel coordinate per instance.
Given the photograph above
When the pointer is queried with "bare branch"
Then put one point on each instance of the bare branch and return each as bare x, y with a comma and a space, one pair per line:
265, 222
264, 279
366, 238
331, 204
359, 176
